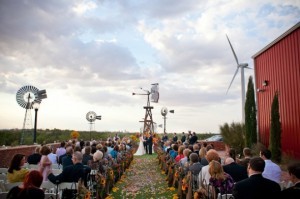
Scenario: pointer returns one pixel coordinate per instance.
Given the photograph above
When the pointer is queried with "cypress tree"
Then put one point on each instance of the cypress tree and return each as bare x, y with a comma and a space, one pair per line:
250, 115
275, 130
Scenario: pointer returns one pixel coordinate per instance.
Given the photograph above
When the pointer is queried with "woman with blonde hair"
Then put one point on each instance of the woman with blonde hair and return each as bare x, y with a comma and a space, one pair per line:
221, 181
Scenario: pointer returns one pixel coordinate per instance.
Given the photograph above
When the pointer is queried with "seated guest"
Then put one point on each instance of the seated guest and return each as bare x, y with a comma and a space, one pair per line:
73, 172
96, 163
256, 186
174, 152
272, 171
204, 175
87, 155
67, 158
202, 154
247, 156
15, 172
60, 151
220, 180
30, 187
236, 171
52, 155
195, 166
180, 154
294, 191
35, 157
184, 161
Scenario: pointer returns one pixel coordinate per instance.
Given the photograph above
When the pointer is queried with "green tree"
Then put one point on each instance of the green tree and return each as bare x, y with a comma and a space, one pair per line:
275, 130
250, 115
233, 135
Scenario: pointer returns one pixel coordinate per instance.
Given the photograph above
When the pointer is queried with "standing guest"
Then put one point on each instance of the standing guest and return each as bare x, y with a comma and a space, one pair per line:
247, 156
175, 138
193, 139
61, 151
35, 157
165, 137
294, 191
45, 163
52, 156
272, 171
256, 186
150, 143
183, 137
30, 187
15, 172
236, 171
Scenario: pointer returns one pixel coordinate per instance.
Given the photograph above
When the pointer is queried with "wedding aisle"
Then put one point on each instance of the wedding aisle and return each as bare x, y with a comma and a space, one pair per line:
143, 180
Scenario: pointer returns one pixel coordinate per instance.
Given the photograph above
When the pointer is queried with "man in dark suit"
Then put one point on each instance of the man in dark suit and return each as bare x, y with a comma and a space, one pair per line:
73, 172
294, 191
150, 143
236, 171
256, 186
67, 158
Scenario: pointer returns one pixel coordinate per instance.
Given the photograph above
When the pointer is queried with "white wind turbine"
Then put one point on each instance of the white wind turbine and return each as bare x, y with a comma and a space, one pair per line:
239, 66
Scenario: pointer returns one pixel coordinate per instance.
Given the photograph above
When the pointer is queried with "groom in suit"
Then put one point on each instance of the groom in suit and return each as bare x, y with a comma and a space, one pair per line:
150, 143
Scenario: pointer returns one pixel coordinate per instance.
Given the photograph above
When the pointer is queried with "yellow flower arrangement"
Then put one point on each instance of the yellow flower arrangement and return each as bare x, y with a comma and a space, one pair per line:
74, 134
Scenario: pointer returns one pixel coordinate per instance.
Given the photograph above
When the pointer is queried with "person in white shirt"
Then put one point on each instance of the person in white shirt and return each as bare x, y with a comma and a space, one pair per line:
52, 156
272, 171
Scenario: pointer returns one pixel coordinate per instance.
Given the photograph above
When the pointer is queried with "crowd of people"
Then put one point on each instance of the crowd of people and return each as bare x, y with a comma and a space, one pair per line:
76, 159
194, 167
197, 170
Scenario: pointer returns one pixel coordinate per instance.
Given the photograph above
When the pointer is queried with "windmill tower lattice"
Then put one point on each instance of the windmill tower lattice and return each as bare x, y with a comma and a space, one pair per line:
148, 119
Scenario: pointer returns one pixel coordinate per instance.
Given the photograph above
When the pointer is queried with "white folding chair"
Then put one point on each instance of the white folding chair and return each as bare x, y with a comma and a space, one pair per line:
49, 195
56, 171
48, 187
55, 166
4, 170
8, 186
3, 195
3, 177
33, 166
225, 196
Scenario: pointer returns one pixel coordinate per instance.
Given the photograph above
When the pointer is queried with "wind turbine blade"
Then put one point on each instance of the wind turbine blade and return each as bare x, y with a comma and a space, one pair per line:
232, 79
236, 59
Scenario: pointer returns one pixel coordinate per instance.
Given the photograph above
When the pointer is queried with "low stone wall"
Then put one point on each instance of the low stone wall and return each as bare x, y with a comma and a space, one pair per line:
7, 153
219, 146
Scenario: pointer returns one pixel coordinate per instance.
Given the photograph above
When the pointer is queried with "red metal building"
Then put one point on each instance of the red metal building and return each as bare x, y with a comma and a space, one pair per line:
277, 68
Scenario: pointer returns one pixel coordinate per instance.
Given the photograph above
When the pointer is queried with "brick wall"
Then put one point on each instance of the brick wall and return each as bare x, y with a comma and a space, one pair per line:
6, 154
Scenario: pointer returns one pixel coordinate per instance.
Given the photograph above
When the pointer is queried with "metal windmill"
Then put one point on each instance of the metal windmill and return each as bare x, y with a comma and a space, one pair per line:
26, 97
148, 120
164, 112
91, 116
239, 66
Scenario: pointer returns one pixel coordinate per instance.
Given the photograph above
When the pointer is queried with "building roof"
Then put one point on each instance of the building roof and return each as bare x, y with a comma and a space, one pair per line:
277, 40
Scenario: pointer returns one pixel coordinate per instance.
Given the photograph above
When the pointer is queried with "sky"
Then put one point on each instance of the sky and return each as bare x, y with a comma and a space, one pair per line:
90, 55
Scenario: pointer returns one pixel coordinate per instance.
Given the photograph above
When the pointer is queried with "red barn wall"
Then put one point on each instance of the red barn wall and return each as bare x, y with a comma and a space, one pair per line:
280, 66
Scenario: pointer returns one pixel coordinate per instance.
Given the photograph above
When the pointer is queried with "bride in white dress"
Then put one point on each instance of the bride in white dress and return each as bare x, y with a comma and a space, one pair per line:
141, 149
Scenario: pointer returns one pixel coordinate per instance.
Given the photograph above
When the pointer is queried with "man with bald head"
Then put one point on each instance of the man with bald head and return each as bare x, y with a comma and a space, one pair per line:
73, 172
236, 171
